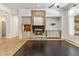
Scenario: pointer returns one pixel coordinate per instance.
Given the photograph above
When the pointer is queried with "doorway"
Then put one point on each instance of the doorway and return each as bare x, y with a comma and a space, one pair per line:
3, 29
2, 26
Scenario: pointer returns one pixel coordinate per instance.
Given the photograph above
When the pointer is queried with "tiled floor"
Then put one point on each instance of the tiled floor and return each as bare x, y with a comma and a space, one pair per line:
51, 48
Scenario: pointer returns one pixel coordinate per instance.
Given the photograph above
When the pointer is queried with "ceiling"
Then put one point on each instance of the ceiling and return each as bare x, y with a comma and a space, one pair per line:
36, 5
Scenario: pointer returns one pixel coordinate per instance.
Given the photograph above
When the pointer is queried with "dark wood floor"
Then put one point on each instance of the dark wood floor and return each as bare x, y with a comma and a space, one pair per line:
51, 48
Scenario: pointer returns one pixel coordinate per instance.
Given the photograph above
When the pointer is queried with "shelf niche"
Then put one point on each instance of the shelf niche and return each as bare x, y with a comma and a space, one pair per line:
27, 27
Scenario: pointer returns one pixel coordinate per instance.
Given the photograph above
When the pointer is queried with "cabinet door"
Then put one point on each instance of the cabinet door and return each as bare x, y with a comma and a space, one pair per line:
54, 34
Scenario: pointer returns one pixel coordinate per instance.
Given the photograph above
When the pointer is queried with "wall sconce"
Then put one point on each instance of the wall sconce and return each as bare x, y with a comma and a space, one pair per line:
57, 6
53, 24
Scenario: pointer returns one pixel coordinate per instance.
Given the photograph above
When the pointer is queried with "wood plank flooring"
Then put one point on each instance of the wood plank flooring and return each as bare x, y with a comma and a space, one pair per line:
51, 48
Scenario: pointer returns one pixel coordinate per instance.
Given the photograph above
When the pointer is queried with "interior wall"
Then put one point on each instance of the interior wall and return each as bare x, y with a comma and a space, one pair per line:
49, 21
64, 25
71, 14
2, 30
11, 26
15, 25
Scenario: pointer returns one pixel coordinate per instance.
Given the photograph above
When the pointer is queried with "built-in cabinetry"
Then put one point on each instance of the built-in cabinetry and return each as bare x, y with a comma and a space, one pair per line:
38, 24
55, 34
53, 27
26, 27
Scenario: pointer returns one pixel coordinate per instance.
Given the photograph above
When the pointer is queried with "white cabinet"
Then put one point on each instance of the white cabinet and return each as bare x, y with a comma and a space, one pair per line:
53, 33
26, 35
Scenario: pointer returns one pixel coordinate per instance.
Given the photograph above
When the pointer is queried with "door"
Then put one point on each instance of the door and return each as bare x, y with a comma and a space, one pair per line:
3, 29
